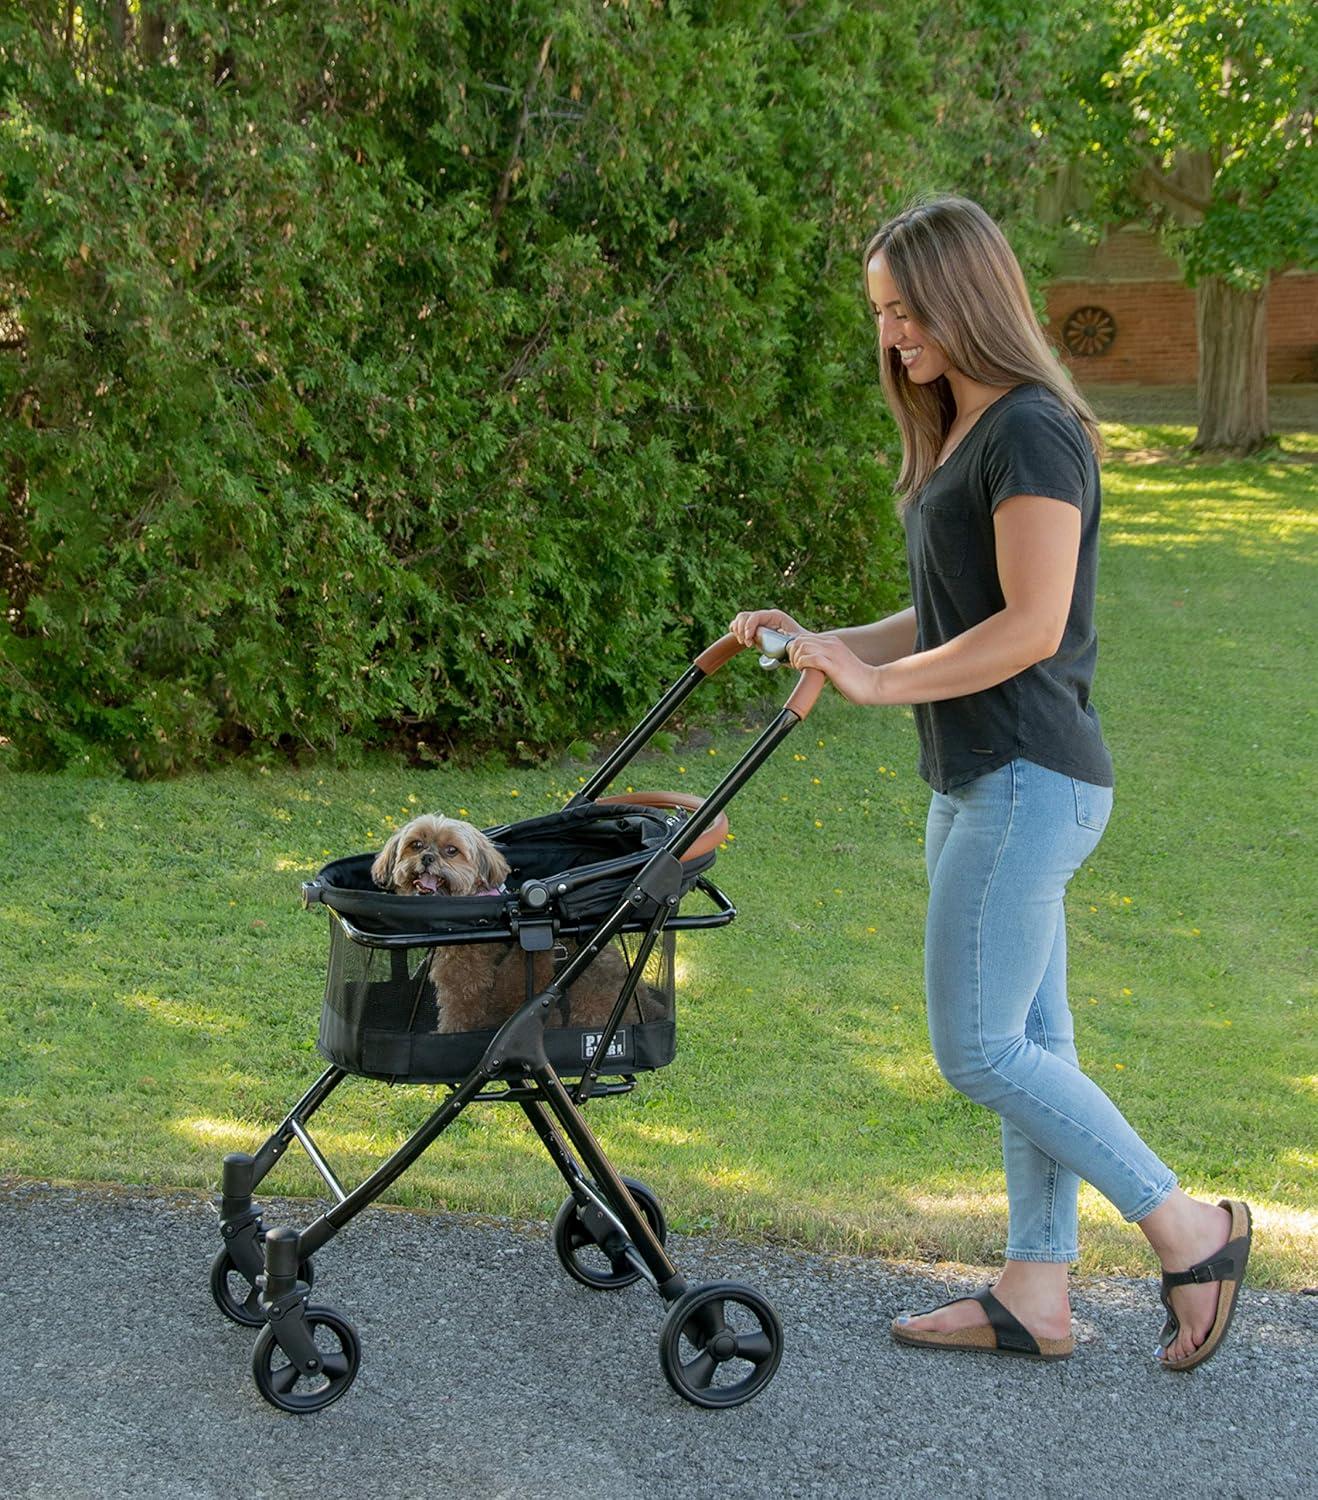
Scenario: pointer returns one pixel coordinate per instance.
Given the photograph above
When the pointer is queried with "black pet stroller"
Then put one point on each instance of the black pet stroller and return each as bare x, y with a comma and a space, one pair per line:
604, 873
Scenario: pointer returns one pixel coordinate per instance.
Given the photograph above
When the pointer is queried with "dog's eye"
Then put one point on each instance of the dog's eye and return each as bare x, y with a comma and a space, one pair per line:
417, 844
450, 851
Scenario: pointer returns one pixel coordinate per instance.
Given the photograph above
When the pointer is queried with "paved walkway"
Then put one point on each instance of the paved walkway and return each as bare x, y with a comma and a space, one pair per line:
486, 1372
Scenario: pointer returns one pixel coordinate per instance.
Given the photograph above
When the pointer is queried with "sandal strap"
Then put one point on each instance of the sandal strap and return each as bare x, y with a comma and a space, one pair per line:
1224, 1266
1008, 1330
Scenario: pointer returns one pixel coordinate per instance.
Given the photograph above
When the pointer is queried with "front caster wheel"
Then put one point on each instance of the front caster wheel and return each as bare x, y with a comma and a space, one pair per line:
281, 1382
580, 1252
720, 1344
236, 1297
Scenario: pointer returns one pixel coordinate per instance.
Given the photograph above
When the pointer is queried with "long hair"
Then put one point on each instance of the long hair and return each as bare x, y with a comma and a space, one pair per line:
959, 279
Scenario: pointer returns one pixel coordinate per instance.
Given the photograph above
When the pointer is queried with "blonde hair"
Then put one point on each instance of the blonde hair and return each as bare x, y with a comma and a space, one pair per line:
958, 278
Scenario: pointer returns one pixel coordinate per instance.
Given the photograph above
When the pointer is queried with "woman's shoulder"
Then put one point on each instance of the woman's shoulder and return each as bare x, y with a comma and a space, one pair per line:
1033, 413
1028, 403
1037, 445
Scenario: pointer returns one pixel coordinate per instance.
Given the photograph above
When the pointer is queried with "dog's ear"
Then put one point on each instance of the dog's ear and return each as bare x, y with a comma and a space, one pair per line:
382, 871
491, 867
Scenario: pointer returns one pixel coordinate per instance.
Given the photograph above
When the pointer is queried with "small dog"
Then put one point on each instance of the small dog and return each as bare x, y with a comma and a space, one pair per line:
436, 856
479, 985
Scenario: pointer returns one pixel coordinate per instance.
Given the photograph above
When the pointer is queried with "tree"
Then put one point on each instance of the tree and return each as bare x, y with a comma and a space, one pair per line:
1198, 119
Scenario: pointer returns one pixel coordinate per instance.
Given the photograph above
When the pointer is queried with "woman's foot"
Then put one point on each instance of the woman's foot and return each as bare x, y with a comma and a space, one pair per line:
1034, 1292
1185, 1232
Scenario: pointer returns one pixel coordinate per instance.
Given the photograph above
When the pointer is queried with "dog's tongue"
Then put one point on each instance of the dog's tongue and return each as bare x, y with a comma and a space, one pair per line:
426, 884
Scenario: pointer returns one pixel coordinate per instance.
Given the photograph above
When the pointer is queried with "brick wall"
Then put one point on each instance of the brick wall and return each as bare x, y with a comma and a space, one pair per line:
1132, 279
1293, 329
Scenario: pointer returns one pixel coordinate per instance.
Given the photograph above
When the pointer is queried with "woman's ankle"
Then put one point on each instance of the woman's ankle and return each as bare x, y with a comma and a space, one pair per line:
1183, 1230
1038, 1293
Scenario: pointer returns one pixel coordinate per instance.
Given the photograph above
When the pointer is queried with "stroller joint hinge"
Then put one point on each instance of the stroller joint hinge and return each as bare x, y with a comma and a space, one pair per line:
660, 881
533, 935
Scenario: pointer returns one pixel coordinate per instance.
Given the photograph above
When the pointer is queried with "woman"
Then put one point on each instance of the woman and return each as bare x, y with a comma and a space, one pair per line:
1000, 491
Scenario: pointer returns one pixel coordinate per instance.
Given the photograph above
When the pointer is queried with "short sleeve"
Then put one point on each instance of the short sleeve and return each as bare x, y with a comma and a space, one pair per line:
1037, 448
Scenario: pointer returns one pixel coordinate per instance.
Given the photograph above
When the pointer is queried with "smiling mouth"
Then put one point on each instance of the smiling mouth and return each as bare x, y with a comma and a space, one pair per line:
909, 356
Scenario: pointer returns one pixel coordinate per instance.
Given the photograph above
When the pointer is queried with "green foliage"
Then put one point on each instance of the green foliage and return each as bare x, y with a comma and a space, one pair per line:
1200, 117
429, 374
997, 66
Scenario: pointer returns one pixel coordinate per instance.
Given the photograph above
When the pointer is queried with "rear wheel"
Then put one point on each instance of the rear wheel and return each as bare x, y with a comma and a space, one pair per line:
720, 1344
236, 1297
581, 1254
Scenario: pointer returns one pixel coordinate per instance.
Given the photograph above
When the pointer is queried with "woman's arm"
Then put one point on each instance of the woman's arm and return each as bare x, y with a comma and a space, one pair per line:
1038, 544
882, 641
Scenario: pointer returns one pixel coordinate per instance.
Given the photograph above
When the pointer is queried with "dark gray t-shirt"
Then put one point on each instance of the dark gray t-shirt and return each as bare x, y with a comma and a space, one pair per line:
1026, 443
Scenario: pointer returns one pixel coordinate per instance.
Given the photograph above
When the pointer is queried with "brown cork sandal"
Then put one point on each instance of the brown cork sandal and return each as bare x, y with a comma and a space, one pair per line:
1226, 1267
1004, 1333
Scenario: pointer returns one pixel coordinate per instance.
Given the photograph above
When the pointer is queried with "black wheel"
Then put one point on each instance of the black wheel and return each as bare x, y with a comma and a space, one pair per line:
281, 1382
236, 1297
581, 1255
720, 1344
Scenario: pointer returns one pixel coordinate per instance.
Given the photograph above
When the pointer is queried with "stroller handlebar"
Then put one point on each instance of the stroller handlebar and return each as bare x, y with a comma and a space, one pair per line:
804, 695
709, 840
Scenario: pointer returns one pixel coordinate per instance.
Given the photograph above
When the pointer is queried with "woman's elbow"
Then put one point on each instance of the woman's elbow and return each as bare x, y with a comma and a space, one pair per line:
1039, 639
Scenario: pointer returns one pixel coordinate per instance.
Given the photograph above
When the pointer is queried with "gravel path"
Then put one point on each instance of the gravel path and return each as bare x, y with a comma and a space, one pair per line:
488, 1372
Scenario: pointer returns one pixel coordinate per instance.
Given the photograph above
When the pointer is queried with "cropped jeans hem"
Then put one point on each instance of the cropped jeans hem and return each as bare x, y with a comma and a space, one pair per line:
1043, 1257
1156, 1200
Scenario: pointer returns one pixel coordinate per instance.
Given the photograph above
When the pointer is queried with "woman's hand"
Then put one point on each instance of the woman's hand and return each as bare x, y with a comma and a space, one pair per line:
748, 622
853, 678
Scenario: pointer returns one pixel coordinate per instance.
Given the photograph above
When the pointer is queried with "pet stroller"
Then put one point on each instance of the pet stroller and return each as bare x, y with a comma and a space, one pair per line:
606, 875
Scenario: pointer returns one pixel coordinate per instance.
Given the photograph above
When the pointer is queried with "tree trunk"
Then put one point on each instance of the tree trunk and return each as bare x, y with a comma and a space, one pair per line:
153, 32
1233, 367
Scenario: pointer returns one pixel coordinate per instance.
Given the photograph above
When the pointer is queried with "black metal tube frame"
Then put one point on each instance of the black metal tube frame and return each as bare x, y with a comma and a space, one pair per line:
655, 894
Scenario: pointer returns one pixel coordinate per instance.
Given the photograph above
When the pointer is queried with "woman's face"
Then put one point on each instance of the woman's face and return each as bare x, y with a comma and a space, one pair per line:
922, 359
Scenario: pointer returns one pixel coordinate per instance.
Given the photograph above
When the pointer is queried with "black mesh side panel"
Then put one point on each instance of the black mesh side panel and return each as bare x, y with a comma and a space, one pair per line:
390, 1012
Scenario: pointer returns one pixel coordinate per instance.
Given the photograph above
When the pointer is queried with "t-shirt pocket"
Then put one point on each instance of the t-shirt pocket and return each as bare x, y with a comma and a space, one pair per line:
945, 536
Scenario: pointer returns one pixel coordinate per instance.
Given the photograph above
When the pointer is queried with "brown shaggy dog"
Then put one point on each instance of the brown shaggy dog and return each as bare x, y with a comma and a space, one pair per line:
479, 985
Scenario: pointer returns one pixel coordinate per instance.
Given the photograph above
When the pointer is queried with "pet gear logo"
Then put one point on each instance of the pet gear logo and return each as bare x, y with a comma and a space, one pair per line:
616, 1048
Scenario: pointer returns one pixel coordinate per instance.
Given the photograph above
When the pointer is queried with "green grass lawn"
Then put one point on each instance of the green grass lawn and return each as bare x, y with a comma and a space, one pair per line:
160, 988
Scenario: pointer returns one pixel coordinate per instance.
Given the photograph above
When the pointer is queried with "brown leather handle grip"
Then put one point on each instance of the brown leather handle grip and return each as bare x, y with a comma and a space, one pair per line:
712, 837
805, 694
723, 649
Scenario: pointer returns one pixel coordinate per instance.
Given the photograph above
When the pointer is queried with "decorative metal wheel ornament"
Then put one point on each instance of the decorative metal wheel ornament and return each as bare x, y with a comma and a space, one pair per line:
1089, 330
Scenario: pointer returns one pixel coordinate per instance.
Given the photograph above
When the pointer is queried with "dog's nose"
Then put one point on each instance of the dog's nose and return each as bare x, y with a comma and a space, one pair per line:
427, 860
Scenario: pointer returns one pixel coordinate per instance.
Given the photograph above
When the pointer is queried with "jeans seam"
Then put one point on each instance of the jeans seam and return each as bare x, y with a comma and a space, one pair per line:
1052, 1160
1079, 1127
979, 924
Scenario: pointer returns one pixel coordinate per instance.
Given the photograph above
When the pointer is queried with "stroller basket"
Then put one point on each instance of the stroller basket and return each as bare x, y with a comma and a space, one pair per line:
382, 1011
401, 967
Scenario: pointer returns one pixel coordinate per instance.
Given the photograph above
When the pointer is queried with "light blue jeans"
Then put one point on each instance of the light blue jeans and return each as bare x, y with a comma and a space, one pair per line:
1000, 852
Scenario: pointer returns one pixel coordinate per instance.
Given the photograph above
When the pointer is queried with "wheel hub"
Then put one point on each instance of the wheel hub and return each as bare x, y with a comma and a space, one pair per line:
723, 1345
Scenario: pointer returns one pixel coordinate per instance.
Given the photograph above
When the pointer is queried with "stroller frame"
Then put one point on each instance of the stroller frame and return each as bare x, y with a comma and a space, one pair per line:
307, 1356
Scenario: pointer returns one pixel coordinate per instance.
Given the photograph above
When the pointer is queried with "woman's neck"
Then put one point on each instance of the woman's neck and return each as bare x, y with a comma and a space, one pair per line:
970, 396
